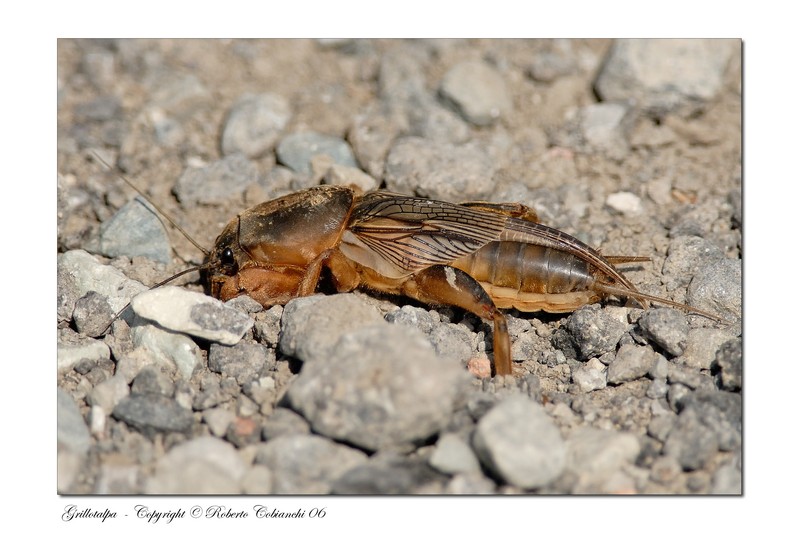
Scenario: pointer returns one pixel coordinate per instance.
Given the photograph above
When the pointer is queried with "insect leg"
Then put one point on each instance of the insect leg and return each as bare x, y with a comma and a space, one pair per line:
441, 284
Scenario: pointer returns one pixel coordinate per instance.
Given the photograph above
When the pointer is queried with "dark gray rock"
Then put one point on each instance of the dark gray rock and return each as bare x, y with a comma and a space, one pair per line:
631, 362
477, 91
244, 361
72, 432
381, 387
135, 230
387, 475
519, 443
729, 361
254, 124
297, 149
92, 314
690, 442
151, 380
719, 411
663, 75
193, 313
153, 413
439, 170
306, 464
311, 326
217, 182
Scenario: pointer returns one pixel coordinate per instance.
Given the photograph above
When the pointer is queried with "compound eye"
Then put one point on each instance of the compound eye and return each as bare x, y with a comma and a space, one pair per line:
227, 257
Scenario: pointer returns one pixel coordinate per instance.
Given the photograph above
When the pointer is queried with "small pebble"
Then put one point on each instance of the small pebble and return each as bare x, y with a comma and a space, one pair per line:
72, 432
254, 124
631, 362
306, 464
217, 182
668, 328
151, 413
193, 313
441, 171
296, 150
135, 230
381, 387
519, 443
663, 75
453, 455
204, 465
477, 91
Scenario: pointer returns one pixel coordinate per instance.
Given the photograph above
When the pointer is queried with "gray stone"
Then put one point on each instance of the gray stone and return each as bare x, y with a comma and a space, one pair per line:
257, 480
590, 376
691, 442
151, 413
415, 317
296, 150
519, 443
631, 362
547, 66
728, 479
306, 464
660, 426
594, 456
371, 135
624, 203
218, 420
439, 170
477, 91
244, 362
151, 380
92, 314
663, 75
284, 421
702, 345
729, 361
217, 182
668, 328
68, 354
717, 287
453, 455
685, 255
193, 313
135, 230
471, 483
719, 411
387, 475
605, 127
204, 465
311, 326
595, 330
108, 393
72, 433
254, 124
79, 273
381, 387
164, 349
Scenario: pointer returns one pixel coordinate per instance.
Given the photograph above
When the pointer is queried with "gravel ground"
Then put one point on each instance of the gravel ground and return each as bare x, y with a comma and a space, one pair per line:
632, 146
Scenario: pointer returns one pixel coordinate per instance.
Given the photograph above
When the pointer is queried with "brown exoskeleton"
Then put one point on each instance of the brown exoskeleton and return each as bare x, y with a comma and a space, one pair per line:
478, 256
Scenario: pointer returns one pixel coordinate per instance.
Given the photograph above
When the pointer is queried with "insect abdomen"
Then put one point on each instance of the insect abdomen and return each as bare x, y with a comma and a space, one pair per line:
530, 277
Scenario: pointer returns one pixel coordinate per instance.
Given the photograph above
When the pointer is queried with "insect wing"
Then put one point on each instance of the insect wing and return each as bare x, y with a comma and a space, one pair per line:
414, 233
